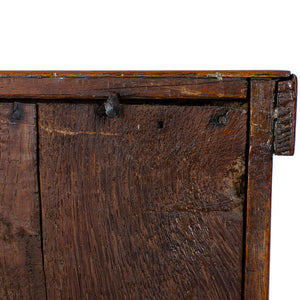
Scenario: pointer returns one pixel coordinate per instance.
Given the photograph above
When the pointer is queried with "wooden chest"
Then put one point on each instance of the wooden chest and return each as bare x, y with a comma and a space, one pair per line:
139, 185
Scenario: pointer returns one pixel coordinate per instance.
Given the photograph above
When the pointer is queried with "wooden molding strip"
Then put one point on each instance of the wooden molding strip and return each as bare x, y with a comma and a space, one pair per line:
127, 87
219, 74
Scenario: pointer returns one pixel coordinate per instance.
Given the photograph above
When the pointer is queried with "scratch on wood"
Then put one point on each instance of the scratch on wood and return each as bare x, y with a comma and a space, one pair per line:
71, 132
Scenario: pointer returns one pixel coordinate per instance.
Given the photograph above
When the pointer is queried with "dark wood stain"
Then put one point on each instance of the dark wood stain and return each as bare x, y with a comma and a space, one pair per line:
133, 211
21, 272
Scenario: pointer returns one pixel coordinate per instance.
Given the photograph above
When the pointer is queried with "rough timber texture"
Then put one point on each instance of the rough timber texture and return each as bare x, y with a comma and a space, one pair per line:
127, 87
259, 189
21, 274
147, 205
286, 117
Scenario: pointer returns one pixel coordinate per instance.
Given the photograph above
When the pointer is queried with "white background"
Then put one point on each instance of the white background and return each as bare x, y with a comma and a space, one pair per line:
172, 35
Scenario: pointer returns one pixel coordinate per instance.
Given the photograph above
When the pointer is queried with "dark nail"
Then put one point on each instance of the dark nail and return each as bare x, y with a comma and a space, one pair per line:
16, 113
219, 120
110, 108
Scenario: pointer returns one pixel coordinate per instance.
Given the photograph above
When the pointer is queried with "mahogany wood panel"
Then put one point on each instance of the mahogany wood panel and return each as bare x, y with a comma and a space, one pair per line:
147, 205
127, 87
259, 189
21, 271
285, 125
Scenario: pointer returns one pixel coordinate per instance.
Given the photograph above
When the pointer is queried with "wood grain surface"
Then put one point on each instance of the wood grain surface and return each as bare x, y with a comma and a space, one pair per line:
128, 87
145, 202
285, 122
262, 97
157, 73
21, 272
147, 205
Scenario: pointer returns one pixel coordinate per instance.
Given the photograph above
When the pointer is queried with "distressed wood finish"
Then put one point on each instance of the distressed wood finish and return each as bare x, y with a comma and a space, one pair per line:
140, 200
188, 74
21, 272
147, 205
259, 189
127, 87
285, 124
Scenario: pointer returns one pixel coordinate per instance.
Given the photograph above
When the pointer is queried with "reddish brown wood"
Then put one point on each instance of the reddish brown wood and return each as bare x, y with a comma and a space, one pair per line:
128, 87
21, 272
285, 124
259, 189
189, 74
130, 84
147, 205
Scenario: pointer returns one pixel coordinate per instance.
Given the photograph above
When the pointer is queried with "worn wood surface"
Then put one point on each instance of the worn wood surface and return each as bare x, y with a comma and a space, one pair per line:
21, 272
285, 124
198, 74
128, 87
147, 205
259, 189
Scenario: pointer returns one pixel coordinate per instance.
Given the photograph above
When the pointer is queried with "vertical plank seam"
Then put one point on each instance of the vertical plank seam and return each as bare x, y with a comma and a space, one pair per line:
39, 194
246, 190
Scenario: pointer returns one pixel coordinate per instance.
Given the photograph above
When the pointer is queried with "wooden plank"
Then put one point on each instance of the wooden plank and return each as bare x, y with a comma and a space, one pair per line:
127, 87
259, 189
174, 73
21, 271
147, 205
285, 125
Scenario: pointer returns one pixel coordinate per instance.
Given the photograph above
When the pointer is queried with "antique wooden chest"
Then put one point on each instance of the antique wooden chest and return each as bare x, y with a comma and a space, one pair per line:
140, 185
